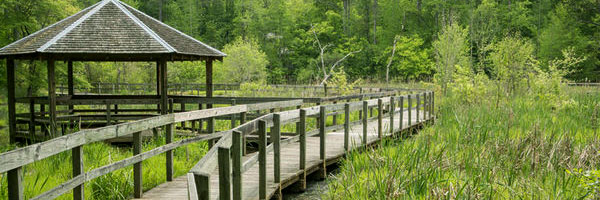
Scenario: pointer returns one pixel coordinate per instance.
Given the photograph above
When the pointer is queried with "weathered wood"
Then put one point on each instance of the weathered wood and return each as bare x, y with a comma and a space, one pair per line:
392, 112
379, 118
276, 141
77, 164
52, 97
409, 110
301, 128
322, 144
243, 121
236, 161
70, 89
262, 159
232, 116
202, 185
401, 106
31, 118
365, 121
224, 174
168, 139
418, 108
15, 186
347, 126
137, 167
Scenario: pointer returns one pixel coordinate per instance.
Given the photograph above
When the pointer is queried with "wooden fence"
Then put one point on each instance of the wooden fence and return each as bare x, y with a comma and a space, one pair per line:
228, 151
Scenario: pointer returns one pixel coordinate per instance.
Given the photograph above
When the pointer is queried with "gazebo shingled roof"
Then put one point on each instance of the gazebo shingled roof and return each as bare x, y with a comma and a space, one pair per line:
110, 30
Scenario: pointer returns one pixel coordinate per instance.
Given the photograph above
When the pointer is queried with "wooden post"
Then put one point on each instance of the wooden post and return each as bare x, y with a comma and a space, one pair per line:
417, 109
224, 174
379, 118
322, 139
365, 121
209, 93
409, 111
276, 140
77, 164
401, 106
262, 159
52, 98
346, 126
202, 185
301, 128
392, 112
243, 121
433, 104
43, 126
32, 117
334, 117
14, 184
182, 105
236, 161
168, 140
232, 115
137, 167
108, 117
70, 89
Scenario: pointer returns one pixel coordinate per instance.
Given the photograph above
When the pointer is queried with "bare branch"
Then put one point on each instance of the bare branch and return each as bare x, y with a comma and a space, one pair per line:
336, 64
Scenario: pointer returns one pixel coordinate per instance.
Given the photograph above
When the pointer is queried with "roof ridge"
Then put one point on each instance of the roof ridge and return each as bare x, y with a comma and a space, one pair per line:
166, 25
72, 26
143, 26
48, 27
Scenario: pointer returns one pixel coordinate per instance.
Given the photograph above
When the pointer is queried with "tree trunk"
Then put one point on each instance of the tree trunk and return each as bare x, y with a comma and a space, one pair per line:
346, 13
374, 21
160, 10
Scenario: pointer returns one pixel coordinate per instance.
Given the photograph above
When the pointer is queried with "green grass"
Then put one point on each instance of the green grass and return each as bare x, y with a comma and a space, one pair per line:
521, 149
55, 170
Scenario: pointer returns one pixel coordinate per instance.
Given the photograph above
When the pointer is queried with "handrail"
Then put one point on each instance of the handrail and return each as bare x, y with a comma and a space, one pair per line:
199, 176
12, 161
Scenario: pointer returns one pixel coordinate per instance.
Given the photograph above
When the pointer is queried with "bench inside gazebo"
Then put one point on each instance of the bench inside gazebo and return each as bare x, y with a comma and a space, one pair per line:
109, 31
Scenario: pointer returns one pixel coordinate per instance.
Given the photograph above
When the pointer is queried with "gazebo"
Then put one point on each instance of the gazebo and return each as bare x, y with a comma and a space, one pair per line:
109, 31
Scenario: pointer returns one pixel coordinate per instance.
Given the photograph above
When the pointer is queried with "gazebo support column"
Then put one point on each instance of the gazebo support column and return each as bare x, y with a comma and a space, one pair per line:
209, 93
70, 89
164, 102
10, 80
52, 98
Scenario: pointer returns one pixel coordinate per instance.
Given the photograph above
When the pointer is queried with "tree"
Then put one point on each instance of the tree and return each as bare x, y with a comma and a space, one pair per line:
513, 61
245, 62
450, 49
409, 59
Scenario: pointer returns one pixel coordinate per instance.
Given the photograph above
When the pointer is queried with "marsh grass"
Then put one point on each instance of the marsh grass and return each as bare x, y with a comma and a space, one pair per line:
521, 149
51, 172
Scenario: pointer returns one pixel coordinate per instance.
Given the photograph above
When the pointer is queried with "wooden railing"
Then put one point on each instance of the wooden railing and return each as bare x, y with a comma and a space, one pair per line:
228, 151
13, 161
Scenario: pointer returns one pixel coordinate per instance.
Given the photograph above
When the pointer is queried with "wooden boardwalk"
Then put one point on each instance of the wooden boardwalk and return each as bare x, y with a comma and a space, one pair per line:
290, 172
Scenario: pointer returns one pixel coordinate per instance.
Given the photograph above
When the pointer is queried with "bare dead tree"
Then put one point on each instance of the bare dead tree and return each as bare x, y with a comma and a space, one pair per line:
387, 68
327, 73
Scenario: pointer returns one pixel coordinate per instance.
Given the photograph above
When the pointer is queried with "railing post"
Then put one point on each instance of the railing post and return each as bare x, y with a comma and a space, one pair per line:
169, 139
31, 117
409, 111
77, 165
224, 173
365, 121
182, 105
108, 118
202, 185
418, 108
322, 139
301, 129
15, 187
236, 160
346, 126
433, 104
262, 159
243, 121
334, 117
392, 112
137, 167
276, 140
379, 118
401, 106
232, 115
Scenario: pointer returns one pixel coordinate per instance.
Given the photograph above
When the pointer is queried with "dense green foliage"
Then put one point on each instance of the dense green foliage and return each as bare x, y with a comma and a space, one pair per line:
286, 32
